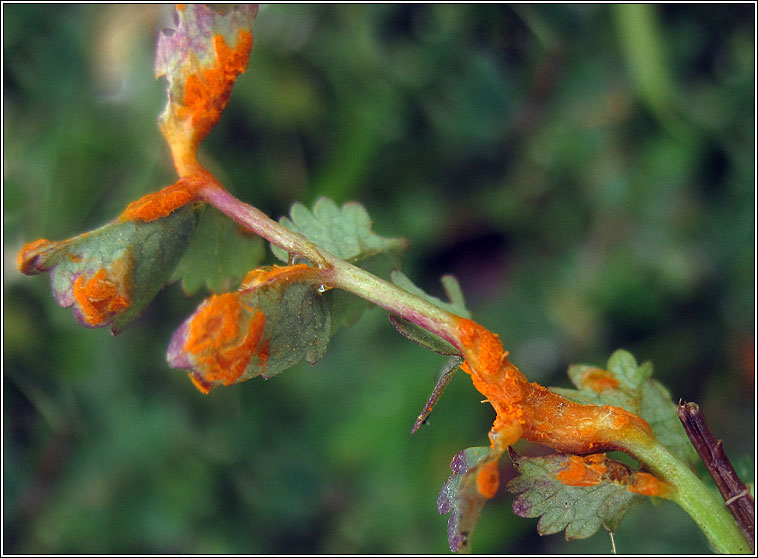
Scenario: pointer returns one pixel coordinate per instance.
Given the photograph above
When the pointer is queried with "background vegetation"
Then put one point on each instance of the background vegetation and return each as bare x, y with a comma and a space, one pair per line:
587, 172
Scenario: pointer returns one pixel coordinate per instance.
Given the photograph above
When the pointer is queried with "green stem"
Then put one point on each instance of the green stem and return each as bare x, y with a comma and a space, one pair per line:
708, 511
705, 508
337, 273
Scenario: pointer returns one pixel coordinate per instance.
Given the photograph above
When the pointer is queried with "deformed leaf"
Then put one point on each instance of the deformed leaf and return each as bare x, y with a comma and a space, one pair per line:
201, 59
111, 274
345, 232
277, 318
462, 496
630, 386
219, 255
417, 333
598, 496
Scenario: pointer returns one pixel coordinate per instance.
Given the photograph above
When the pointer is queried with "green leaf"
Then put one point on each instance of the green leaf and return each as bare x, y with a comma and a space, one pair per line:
657, 408
277, 318
630, 386
417, 333
346, 233
461, 498
580, 510
111, 274
219, 255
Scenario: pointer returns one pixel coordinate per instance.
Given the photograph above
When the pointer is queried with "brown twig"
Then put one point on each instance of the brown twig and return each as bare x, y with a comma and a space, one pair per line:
711, 451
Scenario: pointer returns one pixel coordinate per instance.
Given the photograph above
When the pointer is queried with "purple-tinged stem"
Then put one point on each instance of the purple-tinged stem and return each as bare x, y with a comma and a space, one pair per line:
711, 451
337, 273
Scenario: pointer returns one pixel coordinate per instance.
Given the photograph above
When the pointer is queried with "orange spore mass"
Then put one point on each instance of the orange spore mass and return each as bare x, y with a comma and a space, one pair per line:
591, 470
535, 413
584, 471
261, 275
648, 485
222, 341
160, 204
206, 94
99, 297
598, 380
488, 479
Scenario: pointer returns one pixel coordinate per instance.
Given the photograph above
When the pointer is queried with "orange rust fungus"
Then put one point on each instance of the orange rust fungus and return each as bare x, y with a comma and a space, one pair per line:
99, 297
648, 485
29, 252
584, 471
485, 348
598, 380
206, 95
537, 414
268, 274
488, 479
221, 342
591, 470
160, 204
181, 7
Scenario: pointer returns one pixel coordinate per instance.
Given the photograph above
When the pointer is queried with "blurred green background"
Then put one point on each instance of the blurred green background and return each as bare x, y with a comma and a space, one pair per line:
587, 172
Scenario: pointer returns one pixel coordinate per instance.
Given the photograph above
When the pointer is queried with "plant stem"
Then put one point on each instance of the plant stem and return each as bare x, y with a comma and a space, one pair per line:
705, 508
733, 490
337, 273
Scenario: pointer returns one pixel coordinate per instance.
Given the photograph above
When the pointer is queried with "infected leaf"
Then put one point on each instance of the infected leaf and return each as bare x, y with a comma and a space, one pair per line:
277, 317
577, 494
111, 274
465, 492
630, 386
201, 59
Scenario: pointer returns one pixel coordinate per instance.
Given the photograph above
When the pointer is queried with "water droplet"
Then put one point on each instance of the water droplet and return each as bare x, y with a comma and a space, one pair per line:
321, 288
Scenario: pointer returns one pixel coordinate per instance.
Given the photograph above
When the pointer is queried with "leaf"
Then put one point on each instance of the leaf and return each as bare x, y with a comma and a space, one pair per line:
201, 59
580, 510
659, 411
346, 233
630, 386
417, 333
277, 318
111, 274
460, 495
219, 255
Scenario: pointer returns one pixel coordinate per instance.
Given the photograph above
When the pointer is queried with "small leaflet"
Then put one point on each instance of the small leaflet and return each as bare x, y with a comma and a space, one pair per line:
417, 333
109, 275
461, 496
276, 318
345, 232
448, 371
576, 494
